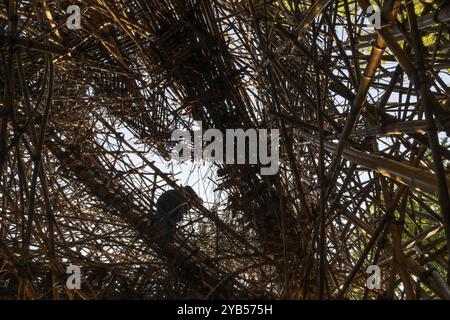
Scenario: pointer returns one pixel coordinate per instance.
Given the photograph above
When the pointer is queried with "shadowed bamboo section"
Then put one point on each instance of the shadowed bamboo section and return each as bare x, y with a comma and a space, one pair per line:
185, 260
88, 113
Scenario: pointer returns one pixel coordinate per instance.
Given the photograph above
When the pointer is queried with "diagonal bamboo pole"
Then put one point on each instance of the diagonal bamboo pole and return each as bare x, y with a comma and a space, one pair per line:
419, 179
203, 278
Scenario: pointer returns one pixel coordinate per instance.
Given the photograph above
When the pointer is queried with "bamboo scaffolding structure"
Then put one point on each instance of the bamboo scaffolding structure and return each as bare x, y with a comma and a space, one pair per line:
87, 117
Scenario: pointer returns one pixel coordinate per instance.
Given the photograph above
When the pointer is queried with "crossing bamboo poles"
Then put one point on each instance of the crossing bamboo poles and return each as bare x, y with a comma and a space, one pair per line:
419, 179
137, 70
187, 260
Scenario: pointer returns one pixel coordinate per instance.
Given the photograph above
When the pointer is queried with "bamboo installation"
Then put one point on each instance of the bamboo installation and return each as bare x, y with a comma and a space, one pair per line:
85, 148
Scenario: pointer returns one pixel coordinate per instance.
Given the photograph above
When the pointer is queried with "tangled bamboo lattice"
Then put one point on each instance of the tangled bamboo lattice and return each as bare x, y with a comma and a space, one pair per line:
363, 116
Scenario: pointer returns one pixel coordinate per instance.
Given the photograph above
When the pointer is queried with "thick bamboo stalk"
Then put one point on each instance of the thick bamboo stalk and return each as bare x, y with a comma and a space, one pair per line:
416, 178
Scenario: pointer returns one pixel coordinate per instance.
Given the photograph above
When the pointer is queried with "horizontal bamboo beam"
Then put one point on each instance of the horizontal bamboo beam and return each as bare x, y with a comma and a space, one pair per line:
32, 45
414, 126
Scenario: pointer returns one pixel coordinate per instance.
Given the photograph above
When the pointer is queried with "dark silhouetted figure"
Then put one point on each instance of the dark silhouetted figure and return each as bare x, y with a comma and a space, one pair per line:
171, 207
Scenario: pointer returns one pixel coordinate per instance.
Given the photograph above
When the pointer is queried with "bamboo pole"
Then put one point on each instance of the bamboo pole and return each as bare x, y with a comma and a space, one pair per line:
419, 179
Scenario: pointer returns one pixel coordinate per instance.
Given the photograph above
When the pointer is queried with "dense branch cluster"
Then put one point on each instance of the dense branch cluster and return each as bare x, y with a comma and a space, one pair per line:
85, 145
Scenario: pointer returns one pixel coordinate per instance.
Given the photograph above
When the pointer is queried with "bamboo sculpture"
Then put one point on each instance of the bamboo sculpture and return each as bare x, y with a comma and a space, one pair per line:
88, 113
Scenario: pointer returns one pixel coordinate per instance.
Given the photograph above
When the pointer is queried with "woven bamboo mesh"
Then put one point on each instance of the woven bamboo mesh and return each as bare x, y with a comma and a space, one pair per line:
87, 117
